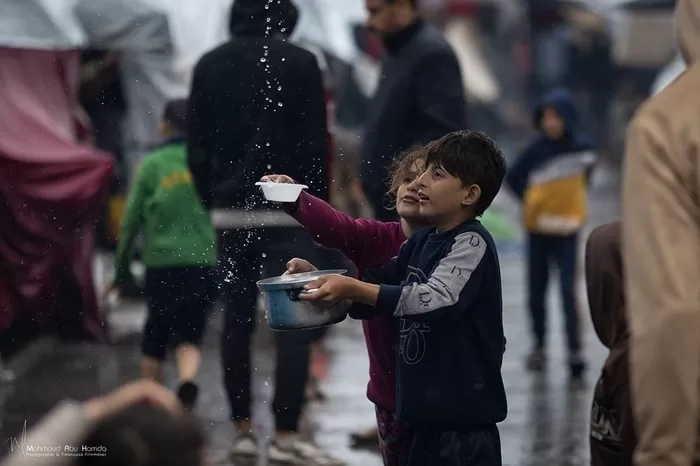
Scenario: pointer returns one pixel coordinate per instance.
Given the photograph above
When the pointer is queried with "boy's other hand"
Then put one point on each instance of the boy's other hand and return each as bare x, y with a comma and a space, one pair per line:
277, 179
297, 265
329, 289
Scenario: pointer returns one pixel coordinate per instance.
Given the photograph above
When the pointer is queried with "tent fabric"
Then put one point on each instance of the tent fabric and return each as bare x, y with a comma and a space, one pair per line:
70, 24
52, 188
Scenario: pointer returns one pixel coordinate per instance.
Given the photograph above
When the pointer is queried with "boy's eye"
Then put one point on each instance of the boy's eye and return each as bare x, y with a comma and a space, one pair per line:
437, 173
408, 180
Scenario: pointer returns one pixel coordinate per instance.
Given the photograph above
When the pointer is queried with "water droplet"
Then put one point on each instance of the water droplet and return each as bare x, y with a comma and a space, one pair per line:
263, 59
279, 104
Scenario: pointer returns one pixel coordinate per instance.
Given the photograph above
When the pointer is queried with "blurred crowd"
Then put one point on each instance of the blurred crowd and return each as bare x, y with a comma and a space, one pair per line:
159, 140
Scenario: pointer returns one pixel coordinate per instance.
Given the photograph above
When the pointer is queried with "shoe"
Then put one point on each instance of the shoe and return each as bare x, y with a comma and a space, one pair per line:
245, 446
282, 455
187, 394
536, 360
577, 366
298, 452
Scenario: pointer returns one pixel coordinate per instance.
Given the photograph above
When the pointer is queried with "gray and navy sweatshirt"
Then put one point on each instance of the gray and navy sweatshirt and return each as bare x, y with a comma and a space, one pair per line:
446, 290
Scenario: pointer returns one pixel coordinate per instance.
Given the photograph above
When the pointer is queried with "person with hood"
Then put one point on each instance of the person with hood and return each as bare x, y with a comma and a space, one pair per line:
420, 97
257, 105
551, 178
661, 251
612, 426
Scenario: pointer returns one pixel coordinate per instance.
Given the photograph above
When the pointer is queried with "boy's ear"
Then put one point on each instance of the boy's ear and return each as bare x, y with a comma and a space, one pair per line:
472, 193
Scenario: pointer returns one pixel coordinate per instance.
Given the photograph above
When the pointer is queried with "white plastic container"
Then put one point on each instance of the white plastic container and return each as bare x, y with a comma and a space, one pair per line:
281, 192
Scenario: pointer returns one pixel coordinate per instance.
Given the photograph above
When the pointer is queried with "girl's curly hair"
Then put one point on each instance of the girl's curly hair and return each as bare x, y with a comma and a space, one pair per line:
400, 167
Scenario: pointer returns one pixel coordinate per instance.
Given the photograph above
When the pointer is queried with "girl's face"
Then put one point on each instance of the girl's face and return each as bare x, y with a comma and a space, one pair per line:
407, 201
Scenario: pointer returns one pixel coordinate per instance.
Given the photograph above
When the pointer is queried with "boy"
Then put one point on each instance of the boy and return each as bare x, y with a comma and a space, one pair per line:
445, 288
551, 178
612, 426
179, 254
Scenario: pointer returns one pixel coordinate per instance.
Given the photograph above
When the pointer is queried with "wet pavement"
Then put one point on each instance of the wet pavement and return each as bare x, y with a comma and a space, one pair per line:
547, 422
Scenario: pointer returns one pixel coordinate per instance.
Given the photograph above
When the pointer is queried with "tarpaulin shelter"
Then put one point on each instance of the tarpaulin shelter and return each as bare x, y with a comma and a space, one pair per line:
52, 181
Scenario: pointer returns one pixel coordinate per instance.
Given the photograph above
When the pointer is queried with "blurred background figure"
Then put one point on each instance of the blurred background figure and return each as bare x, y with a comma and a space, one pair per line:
660, 239
236, 135
420, 95
179, 253
552, 177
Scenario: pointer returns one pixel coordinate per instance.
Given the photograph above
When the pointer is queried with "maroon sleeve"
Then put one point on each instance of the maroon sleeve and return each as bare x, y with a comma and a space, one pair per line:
335, 229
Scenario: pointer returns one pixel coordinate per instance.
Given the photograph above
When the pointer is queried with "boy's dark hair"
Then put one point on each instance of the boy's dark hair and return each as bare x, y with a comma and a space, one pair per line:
474, 158
145, 436
175, 114
400, 167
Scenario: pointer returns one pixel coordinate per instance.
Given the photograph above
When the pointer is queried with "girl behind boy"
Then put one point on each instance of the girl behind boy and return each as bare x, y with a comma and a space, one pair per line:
179, 253
370, 244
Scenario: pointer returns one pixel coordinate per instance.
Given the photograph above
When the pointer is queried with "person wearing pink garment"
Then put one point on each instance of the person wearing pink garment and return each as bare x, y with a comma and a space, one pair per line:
369, 244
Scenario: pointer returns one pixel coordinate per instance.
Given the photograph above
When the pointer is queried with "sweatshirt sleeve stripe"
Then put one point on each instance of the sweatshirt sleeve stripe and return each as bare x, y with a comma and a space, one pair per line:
447, 281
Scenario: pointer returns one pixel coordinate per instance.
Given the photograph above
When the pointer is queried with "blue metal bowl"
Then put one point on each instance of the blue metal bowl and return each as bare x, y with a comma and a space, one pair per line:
285, 311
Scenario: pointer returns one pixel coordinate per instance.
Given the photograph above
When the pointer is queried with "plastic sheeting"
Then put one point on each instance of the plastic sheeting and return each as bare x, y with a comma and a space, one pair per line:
71, 24
52, 188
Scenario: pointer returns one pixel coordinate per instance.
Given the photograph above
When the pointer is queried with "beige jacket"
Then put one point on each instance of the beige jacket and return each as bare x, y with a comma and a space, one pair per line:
45, 444
661, 243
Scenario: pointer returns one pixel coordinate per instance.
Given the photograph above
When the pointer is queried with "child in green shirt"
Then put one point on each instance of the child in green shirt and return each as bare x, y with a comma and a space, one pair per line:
179, 254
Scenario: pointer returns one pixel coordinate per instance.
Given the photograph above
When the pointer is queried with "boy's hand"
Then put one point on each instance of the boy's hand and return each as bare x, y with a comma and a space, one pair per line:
329, 289
297, 265
277, 179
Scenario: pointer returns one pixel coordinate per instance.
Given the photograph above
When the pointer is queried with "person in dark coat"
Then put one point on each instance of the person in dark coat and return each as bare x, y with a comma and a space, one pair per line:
420, 96
257, 106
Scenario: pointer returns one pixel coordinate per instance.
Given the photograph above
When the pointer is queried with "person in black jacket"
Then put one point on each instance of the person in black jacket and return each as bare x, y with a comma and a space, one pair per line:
257, 106
420, 96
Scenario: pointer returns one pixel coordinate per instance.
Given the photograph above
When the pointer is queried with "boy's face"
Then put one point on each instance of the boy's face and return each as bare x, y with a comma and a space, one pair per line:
407, 201
552, 124
444, 200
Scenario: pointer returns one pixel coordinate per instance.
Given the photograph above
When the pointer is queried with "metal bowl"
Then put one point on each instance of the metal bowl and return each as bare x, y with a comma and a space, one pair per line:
285, 311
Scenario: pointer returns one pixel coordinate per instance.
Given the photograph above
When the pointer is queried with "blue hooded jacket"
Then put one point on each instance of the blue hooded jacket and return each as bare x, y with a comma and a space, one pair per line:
551, 176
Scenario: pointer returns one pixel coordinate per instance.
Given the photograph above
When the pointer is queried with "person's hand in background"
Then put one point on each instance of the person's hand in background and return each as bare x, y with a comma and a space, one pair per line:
142, 391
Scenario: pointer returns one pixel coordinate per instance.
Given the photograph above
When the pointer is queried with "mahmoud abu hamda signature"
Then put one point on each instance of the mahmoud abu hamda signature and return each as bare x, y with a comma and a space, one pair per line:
35, 451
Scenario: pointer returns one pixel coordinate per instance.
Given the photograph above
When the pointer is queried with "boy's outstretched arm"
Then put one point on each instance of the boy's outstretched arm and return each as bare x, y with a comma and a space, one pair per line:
451, 287
364, 294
